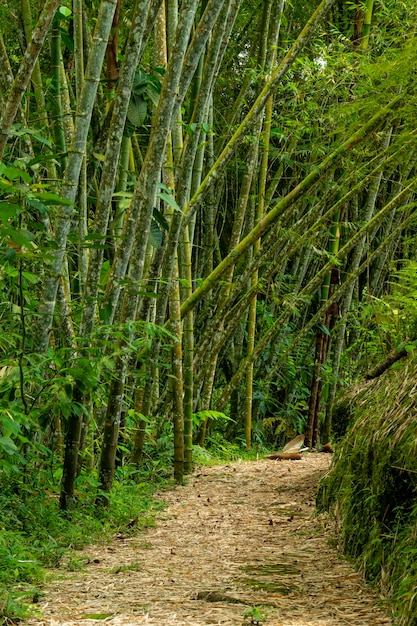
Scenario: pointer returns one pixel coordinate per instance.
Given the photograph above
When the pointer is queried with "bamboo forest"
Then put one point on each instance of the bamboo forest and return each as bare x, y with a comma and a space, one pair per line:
207, 230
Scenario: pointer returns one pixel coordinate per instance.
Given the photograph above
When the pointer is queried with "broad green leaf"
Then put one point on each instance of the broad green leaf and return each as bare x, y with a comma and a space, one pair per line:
137, 110
8, 210
64, 11
20, 131
52, 198
31, 278
153, 97
206, 128
213, 415
122, 194
19, 237
105, 313
12, 173
67, 40
9, 425
40, 206
8, 446
140, 79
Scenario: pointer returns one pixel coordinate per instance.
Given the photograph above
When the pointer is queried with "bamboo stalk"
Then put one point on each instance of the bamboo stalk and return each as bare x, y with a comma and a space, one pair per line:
25, 70
311, 286
266, 223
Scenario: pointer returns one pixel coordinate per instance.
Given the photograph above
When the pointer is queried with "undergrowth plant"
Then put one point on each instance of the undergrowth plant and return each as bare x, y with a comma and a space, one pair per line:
35, 536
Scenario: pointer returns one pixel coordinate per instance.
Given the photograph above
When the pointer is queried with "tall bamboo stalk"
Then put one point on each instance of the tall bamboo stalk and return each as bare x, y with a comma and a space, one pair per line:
257, 108
267, 60
309, 289
143, 17
284, 204
76, 155
56, 62
366, 26
24, 73
37, 83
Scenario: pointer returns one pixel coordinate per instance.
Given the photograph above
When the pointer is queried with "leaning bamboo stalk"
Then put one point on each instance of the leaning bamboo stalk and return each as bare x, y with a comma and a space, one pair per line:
308, 232
315, 282
24, 73
6, 82
274, 251
266, 223
259, 104
311, 287
314, 320
181, 65
347, 298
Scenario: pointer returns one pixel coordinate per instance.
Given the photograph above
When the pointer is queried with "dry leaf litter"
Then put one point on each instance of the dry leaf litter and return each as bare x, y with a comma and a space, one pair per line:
239, 544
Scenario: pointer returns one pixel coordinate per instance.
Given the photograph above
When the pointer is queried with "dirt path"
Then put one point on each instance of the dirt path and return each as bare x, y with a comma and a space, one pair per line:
238, 536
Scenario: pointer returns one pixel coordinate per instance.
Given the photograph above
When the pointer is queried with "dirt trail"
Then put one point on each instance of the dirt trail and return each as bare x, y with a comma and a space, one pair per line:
236, 538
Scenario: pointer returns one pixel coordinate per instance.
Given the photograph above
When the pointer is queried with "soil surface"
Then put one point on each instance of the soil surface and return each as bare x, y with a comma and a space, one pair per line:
239, 544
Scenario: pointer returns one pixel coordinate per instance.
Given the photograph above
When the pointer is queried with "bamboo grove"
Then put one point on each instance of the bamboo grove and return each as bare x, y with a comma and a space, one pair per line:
198, 199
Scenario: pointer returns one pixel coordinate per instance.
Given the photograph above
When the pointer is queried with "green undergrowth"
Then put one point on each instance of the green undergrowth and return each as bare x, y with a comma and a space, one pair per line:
372, 488
220, 450
36, 537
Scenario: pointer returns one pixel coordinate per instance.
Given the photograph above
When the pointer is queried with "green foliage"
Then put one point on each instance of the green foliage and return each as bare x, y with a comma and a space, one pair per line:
329, 92
220, 449
211, 415
146, 88
378, 325
255, 616
34, 535
372, 486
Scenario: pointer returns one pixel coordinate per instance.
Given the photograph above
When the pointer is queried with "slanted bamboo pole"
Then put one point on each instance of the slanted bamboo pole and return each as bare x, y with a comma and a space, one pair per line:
266, 223
25, 70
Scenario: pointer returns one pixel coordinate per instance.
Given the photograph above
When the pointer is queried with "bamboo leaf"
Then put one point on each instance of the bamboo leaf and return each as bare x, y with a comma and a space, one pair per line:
155, 235
169, 200
160, 219
13, 173
213, 415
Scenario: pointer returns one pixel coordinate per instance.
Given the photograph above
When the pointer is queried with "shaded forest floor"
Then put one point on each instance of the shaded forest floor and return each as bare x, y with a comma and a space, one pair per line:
239, 543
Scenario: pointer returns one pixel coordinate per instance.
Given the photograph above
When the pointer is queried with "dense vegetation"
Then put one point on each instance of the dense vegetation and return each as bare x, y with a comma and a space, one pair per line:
206, 231
373, 486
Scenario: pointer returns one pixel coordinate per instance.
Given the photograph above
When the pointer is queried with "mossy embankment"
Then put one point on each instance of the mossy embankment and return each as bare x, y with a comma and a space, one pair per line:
372, 487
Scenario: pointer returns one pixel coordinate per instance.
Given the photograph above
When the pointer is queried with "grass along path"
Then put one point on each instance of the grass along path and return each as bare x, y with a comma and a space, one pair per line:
239, 544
